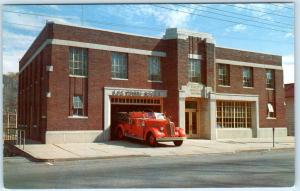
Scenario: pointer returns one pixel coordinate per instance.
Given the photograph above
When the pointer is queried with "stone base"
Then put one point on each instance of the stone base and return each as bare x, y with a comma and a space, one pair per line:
86, 136
267, 132
233, 133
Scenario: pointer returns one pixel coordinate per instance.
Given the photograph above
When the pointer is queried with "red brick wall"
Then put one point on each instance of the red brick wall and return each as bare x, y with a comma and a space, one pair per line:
236, 87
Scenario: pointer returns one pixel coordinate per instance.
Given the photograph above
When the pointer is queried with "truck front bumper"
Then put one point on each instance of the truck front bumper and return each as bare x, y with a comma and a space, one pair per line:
166, 139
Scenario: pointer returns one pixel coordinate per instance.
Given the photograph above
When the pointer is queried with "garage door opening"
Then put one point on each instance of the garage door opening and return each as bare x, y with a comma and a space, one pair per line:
121, 104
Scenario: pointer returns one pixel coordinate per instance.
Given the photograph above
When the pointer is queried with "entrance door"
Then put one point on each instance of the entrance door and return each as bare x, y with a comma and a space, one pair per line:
191, 123
191, 119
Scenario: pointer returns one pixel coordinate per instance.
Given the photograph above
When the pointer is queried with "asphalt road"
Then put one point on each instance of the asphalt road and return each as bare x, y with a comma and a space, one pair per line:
251, 169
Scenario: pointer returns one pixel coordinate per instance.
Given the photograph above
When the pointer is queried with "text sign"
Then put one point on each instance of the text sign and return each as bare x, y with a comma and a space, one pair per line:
136, 93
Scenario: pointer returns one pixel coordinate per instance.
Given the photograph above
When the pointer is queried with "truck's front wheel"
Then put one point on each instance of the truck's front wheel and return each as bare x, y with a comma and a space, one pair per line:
177, 143
151, 140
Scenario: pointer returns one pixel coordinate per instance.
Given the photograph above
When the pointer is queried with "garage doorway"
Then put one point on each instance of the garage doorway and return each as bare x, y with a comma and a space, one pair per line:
129, 104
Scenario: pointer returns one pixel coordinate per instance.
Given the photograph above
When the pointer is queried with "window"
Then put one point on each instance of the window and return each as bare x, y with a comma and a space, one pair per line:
270, 78
77, 105
223, 74
119, 65
271, 110
232, 114
154, 71
194, 70
247, 77
78, 61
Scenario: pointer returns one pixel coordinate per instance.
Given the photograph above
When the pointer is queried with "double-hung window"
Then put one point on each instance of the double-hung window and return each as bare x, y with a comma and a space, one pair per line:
78, 61
223, 75
194, 72
119, 65
247, 77
154, 70
270, 78
78, 105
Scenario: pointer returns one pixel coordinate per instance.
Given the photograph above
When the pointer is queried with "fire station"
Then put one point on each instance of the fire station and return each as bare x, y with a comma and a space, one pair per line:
72, 80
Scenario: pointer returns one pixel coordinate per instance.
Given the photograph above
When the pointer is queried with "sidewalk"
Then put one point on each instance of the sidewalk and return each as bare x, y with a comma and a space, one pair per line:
129, 148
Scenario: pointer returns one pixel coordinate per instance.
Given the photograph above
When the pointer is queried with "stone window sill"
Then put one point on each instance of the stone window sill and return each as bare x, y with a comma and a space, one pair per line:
77, 117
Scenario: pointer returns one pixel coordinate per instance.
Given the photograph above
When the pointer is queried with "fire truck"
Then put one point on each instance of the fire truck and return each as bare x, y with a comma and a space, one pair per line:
150, 127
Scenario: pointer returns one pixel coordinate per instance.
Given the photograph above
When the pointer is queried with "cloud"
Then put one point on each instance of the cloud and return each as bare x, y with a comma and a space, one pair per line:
178, 17
56, 7
288, 59
288, 68
236, 28
239, 28
289, 35
288, 73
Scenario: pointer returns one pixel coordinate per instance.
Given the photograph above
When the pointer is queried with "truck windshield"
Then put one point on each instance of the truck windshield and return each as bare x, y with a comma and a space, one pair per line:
155, 115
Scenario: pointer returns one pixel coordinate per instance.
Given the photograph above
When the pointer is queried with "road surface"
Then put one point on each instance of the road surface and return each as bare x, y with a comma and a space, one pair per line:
245, 169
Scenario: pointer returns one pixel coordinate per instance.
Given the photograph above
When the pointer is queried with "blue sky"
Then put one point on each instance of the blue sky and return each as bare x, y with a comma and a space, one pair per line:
257, 27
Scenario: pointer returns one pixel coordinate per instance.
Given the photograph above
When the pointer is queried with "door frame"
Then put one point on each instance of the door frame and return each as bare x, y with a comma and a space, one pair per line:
197, 110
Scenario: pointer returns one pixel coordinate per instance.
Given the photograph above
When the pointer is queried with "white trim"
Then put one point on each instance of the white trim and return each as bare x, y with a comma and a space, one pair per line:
195, 56
271, 54
119, 79
108, 91
224, 86
92, 46
176, 33
77, 117
44, 44
155, 81
249, 64
237, 97
248, 87
77, 76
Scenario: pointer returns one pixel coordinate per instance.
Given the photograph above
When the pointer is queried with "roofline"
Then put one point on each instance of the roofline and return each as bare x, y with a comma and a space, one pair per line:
106, 30
249, 51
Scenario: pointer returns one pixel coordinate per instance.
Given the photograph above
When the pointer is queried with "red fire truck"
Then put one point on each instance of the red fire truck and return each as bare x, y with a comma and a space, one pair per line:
150, 127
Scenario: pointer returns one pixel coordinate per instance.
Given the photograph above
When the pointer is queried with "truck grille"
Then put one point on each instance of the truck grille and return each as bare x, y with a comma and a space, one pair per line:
171, 129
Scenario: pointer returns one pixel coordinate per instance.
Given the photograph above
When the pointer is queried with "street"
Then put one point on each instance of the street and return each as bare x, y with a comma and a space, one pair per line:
244, 169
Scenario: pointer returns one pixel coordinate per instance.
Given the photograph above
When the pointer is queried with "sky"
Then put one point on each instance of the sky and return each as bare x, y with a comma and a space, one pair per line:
267, 27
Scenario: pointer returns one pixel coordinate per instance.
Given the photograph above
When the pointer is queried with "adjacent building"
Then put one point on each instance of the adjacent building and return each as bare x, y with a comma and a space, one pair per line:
290, 108
73, 80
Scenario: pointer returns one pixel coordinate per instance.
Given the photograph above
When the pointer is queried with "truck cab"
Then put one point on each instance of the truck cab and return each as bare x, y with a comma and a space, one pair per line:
150, 127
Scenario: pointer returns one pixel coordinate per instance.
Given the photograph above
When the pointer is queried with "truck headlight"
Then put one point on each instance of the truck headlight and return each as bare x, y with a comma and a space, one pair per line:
161, 128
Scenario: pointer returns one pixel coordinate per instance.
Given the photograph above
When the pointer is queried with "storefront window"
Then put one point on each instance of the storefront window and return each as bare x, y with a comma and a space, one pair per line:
233, 114
119, 65
154, 71
194, 73
78, 61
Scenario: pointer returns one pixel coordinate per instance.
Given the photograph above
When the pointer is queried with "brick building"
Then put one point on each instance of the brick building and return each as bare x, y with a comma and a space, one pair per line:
73, 79
290, 108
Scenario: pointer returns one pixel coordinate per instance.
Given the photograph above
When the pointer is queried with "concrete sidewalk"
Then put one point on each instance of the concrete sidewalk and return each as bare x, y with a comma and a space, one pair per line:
129, 148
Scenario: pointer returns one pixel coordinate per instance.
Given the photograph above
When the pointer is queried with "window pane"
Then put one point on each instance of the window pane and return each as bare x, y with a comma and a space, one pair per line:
194, 70
154, 71
78, 61
119, 65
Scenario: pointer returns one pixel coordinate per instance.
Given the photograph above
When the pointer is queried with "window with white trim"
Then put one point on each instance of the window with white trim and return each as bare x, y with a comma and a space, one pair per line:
78, 61
119, 65
234, 114
194, 72
247, 77
223, 74
270, 78
271, 110
154, 70
78, 105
